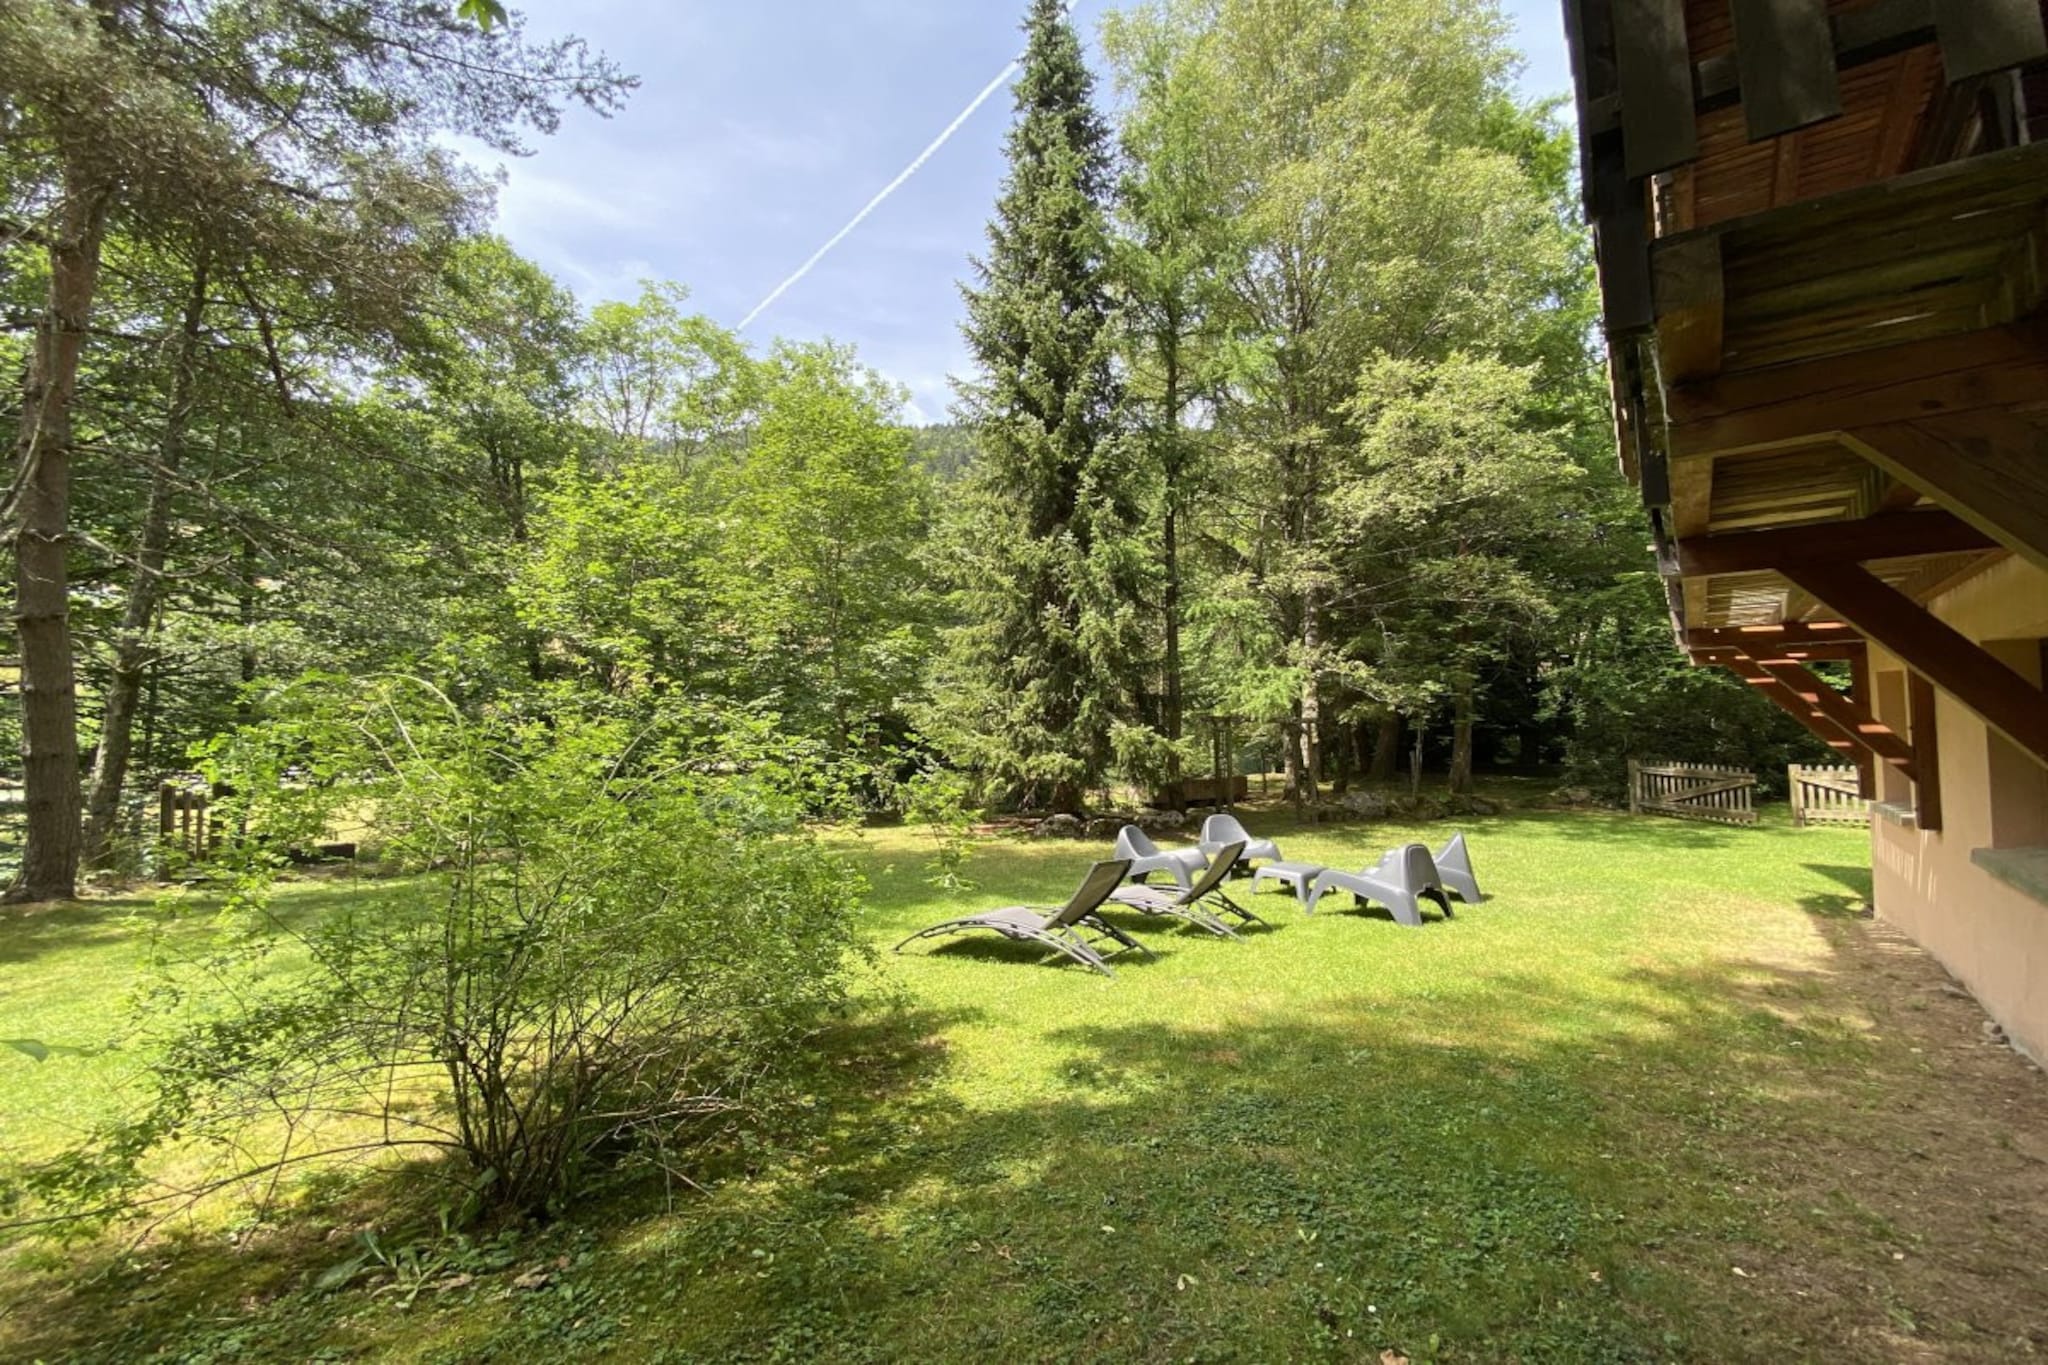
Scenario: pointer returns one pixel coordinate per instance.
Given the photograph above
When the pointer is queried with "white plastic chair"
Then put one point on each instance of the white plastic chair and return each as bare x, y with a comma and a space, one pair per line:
1219, 831
1147, 857
1401, 881
1454, 870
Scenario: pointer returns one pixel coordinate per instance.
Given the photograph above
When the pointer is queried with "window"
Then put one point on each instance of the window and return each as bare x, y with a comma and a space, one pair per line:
2019, 784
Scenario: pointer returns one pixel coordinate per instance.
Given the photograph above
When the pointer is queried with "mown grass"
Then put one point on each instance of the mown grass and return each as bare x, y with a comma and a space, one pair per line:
1651, 1101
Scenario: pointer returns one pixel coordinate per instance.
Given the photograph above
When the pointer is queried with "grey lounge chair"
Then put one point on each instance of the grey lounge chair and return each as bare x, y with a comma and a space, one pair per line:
1147, 857
1059, 930
1189, 905
1401, 881
1221, 829
1454, 870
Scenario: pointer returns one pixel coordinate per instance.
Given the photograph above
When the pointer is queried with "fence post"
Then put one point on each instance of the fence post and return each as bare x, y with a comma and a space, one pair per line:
1634, 783
1795, 796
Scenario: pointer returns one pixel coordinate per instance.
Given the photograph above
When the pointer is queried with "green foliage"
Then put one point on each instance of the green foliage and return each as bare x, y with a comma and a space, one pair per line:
1627, 693
1327, 204
616, 577
944, 449
618, 930
660, 379
1046, 560
485, 14
936, 798
820, 525
1440, 525
777, 569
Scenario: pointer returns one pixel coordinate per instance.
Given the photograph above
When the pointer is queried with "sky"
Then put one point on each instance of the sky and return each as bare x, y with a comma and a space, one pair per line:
762, 126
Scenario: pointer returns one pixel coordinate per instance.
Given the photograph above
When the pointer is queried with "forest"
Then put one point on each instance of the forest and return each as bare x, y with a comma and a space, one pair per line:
1285, 448
1320, 461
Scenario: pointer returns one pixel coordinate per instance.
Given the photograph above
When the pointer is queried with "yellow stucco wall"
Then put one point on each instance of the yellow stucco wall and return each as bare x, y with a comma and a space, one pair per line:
1992, 936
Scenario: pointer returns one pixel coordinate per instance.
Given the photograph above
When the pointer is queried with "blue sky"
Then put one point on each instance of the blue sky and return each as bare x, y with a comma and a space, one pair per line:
761, 126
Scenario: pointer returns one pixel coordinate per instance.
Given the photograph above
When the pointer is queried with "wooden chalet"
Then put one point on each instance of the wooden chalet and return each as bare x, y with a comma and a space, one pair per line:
1822, 232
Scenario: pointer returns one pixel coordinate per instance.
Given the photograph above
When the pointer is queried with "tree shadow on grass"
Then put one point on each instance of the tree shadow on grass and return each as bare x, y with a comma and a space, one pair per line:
1524, 1170
198, 1289
1519, 1174
1853, 903
30, 933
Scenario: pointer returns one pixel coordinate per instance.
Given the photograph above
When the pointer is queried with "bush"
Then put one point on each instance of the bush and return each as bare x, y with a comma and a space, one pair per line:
616, 929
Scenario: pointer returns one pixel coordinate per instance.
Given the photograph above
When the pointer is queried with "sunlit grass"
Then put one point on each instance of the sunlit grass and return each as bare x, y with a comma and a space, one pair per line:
1542, 1130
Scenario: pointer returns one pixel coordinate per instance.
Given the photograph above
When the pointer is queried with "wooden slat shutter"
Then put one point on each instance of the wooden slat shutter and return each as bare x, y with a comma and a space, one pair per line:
1786, 56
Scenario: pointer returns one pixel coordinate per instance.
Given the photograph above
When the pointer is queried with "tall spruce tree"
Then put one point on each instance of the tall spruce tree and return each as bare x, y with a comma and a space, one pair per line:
1049, 563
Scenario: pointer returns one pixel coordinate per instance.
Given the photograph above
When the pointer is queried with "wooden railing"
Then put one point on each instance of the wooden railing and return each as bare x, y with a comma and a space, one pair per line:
1826, 796
1692, 791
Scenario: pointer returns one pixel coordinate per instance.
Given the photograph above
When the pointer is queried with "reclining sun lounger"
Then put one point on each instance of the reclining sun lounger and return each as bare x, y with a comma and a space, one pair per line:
1189, 905
1454, 870
1220, 829
1146, 857
1058, 930
1401, 881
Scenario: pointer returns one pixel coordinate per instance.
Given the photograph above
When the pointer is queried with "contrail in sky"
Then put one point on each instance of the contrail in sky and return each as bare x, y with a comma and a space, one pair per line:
987, 91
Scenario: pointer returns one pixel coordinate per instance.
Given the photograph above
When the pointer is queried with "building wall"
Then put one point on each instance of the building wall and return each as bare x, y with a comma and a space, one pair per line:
1991, 935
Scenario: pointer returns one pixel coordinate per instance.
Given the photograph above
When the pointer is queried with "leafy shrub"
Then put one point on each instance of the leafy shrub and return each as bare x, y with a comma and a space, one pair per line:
615, 929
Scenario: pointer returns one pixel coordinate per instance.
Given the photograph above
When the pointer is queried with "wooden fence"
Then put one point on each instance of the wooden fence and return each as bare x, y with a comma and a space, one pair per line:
1692, 791
1826, 796
183, 820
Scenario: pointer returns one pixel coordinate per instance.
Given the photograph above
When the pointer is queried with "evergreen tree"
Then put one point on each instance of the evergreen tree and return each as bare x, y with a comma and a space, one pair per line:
1048, 561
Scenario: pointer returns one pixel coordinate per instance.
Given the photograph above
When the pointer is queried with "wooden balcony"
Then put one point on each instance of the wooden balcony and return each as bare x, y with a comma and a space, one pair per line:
1822, 232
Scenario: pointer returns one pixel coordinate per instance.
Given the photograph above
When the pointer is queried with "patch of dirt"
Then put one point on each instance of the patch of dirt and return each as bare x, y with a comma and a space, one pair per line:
1912, 1197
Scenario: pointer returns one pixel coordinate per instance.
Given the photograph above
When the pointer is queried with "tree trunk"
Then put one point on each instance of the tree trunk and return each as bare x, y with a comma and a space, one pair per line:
1386, 749
152, 703
508, 480
1461, 736
1290, 763
1173, 709
42, 459
134, 646
1419, 734
1311, 703
1170, 548
1462, 710
245, 615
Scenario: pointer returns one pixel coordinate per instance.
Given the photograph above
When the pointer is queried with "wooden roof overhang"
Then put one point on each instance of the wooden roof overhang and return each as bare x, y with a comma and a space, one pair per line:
1822, 236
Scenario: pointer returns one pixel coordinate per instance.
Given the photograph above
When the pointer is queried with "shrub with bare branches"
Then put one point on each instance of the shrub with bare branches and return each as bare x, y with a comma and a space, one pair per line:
613, 929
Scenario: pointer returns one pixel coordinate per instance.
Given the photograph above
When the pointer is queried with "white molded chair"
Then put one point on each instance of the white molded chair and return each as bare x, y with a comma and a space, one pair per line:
1401, 881
1147, 857
1220, 830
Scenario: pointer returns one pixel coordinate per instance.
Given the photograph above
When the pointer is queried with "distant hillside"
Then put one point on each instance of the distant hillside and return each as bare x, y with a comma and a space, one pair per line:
947, 448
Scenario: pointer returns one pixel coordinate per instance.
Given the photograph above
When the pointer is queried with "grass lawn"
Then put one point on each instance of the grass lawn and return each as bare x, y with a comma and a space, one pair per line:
1664, 1096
